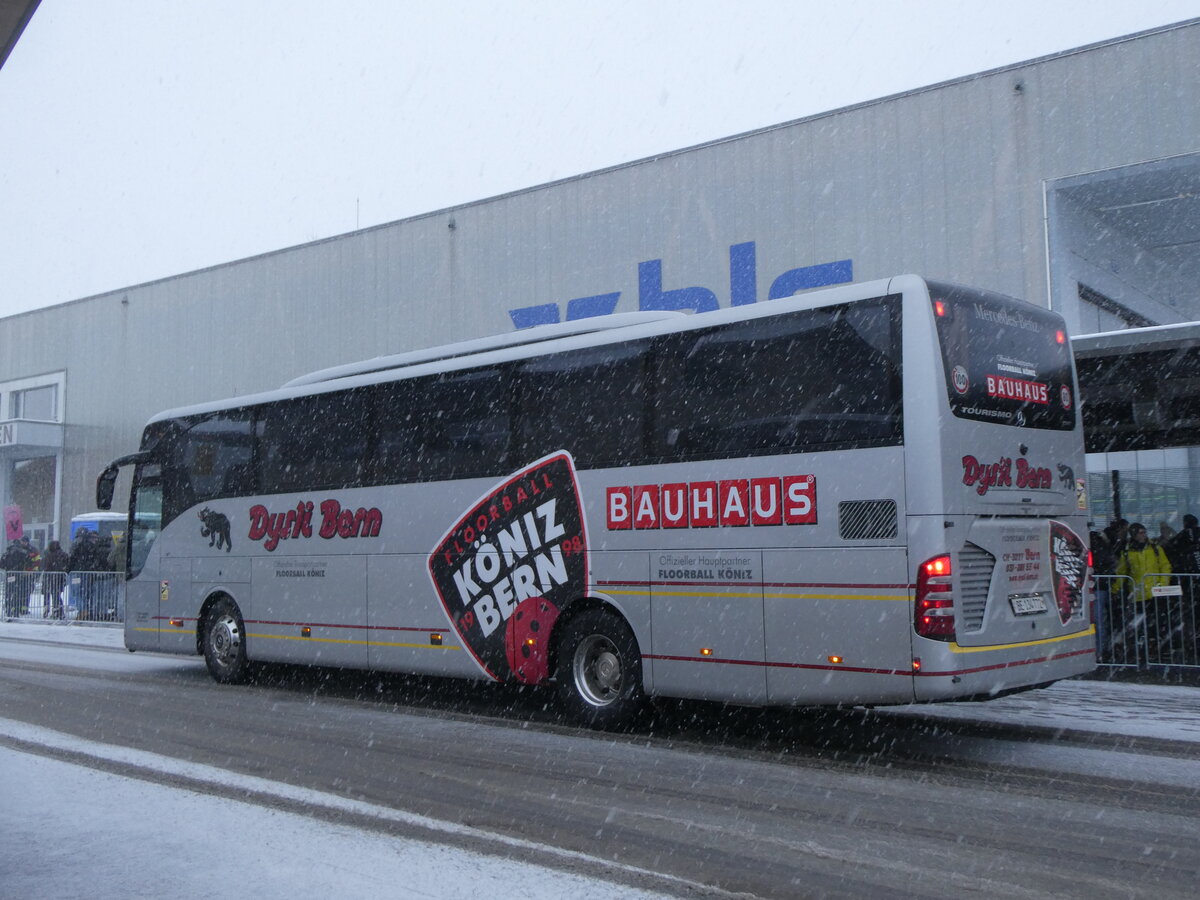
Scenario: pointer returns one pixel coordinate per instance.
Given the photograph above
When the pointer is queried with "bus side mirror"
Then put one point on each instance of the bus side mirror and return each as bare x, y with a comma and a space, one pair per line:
105, 485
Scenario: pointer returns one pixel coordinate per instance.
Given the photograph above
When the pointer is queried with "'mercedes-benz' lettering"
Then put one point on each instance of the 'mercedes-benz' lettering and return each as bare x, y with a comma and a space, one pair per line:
1010, 318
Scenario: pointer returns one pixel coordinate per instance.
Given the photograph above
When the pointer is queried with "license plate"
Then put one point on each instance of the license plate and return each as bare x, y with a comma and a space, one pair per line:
1027, 604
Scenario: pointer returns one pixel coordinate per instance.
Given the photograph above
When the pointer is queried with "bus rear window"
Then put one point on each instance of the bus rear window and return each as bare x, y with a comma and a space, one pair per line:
1006, 361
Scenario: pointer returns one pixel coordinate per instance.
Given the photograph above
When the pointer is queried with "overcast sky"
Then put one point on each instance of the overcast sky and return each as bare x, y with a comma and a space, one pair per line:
141, 139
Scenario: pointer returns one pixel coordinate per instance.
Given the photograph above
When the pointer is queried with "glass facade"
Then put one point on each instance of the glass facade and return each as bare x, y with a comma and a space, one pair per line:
33, 488
1148, 486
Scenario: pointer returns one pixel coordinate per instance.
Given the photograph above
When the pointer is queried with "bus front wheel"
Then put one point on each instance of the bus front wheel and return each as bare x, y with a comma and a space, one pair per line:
599, 671
225, 643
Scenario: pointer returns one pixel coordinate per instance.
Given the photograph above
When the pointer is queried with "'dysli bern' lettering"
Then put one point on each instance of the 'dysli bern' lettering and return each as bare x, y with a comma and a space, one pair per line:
336, 521
1000, 474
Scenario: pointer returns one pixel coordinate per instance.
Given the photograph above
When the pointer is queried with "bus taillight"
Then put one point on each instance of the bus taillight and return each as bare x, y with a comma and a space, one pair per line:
934, 615
938, 566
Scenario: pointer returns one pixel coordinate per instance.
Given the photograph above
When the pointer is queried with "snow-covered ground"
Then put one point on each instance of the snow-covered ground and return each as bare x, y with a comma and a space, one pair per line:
72, 831
134, 838
1130, 710
115, 844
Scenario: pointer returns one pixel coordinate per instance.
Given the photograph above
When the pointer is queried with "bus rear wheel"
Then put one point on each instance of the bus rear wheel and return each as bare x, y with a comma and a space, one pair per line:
599, 670
224, 642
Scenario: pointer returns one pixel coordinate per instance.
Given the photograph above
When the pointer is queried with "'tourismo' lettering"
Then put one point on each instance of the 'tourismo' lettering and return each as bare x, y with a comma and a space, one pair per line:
790, 500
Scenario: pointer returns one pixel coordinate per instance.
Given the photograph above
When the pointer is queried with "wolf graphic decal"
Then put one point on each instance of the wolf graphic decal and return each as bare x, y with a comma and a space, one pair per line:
215, 527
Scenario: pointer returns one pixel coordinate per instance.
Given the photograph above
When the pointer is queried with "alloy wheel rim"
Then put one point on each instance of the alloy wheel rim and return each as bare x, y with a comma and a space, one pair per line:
598, 671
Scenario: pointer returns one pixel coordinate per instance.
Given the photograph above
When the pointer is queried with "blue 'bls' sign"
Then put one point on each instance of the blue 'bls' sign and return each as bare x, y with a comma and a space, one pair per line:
743, 289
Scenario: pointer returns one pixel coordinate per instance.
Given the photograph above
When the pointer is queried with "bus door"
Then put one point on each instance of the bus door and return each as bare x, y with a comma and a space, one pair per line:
144, 584
707, 624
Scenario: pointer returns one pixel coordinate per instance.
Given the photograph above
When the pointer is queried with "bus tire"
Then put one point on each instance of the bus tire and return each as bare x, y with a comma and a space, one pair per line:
599, 670
224, 641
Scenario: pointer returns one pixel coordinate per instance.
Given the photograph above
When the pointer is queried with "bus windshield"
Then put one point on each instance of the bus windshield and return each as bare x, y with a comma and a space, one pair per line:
1006, 361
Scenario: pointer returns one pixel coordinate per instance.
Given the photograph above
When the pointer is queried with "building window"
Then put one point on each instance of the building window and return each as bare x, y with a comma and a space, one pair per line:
1127, 317
38, 404
33, 488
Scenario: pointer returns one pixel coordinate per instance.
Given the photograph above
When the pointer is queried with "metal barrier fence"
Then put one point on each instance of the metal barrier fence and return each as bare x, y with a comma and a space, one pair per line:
1151, 627
65, 596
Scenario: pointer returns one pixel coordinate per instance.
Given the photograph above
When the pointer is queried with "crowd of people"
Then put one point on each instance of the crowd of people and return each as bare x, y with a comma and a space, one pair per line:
1147, 592
23, 562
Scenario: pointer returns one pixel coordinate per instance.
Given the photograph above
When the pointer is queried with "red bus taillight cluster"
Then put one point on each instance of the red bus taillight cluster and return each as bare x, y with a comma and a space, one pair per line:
935, 600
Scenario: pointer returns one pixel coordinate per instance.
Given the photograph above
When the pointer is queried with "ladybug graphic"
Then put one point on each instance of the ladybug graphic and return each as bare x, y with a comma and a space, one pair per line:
527, 639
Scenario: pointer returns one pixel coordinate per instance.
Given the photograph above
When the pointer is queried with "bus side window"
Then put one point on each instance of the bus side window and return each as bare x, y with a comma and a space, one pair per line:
454, 425
315, 442
819, 379
590, 402
217, 454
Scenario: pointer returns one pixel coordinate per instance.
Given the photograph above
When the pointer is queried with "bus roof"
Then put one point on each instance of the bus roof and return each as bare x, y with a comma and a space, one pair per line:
524, 338
100, 516
1182, 335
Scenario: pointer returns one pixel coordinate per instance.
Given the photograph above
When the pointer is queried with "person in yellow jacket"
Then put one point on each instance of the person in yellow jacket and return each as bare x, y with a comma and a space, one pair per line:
1145, 562
1147, 566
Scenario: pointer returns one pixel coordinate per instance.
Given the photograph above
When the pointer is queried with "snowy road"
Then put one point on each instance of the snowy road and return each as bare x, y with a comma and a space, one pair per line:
136, 838
1085, 789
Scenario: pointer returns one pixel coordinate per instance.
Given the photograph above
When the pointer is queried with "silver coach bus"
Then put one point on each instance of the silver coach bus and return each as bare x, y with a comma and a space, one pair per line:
871, 494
